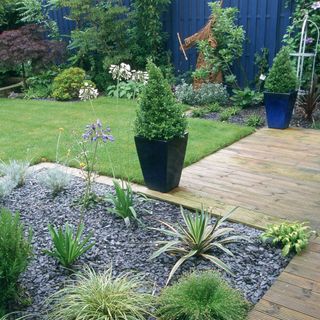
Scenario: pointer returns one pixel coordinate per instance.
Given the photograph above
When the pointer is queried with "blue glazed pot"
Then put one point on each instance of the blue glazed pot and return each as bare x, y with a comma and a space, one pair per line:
279, 108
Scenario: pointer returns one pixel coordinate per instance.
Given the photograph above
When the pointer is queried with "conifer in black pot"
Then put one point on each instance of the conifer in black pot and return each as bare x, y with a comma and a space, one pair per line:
280, 95
161, 138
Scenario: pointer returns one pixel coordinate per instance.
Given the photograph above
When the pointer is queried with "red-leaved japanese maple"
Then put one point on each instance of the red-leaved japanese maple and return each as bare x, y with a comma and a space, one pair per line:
28, 44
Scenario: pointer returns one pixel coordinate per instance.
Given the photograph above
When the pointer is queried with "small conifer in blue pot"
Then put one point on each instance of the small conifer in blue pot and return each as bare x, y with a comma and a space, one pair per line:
280, 95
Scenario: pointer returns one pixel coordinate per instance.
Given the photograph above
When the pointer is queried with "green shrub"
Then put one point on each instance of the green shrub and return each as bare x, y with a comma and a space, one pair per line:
40, 85
208, 93
201, 296
292, 236
196, 239
67, 84
68, 245
246, 98
15, 252
214, 107
199, 112
226, 114
100, 297
254, 121
282, 77
159, 117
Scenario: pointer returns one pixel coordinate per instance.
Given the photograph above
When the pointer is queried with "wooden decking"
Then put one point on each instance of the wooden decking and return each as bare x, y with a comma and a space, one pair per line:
268, 177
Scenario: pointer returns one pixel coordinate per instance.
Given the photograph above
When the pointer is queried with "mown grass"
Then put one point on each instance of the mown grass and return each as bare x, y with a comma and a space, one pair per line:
29, 129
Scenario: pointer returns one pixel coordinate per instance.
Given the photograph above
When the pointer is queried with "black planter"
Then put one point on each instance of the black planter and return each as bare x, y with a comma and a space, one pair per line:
279, 108
161, 161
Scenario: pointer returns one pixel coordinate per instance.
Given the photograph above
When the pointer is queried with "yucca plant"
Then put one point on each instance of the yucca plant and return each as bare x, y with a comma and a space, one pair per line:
292, 236
68, 244
101, 297
123, 202
197, 239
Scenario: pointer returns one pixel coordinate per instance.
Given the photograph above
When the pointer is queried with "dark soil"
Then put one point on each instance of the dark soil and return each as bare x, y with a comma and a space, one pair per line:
256, 265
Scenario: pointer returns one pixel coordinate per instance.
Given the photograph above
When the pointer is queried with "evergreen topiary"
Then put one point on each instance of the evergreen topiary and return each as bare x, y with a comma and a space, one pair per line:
159, 117
282, 77
201, 296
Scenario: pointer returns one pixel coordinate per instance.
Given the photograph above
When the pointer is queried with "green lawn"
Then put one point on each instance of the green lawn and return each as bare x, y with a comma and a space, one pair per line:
29, 129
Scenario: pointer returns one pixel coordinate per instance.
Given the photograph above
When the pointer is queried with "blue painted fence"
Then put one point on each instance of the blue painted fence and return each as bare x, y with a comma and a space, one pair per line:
265, 22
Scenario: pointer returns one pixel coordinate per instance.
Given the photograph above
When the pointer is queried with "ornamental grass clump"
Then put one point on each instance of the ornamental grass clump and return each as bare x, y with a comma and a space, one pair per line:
102, 296
56, 180
198, 238
282, 77
16, 171
6, 187
15, 253
159, 117
201, 296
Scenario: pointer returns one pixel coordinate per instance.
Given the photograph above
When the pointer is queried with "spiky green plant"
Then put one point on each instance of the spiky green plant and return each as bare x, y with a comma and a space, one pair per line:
123, 202
201, 296
101, 297
68, 244
198, 238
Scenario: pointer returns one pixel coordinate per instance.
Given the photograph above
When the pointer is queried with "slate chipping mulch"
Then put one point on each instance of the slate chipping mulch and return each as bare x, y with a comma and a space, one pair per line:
256, 265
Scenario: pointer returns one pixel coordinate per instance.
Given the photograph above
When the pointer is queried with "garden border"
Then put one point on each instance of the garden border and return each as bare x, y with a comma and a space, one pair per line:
294, 294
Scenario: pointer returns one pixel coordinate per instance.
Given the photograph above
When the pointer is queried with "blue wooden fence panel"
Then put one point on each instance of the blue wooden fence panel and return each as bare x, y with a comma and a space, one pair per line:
265, 23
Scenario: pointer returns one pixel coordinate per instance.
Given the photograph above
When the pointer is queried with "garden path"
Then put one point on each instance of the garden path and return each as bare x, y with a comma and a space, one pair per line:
268, 177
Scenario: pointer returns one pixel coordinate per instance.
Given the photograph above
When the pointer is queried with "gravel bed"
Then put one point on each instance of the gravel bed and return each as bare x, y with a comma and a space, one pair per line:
256, 265
298, 119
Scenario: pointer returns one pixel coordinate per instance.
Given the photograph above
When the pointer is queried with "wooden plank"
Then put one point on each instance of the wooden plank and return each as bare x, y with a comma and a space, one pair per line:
315, 247
303, 271
277, 311
257, 315
294, 298
299, 281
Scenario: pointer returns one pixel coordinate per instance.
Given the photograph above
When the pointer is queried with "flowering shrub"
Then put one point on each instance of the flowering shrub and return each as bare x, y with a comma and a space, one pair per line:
207, 94
66, 85
133, 84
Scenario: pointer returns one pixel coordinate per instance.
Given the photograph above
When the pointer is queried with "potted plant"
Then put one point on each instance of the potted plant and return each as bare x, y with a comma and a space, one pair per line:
161, 137
280, 95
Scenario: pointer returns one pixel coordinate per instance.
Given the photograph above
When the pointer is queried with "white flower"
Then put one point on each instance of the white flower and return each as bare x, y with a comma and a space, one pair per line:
88, 92
315, 5
123, 71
